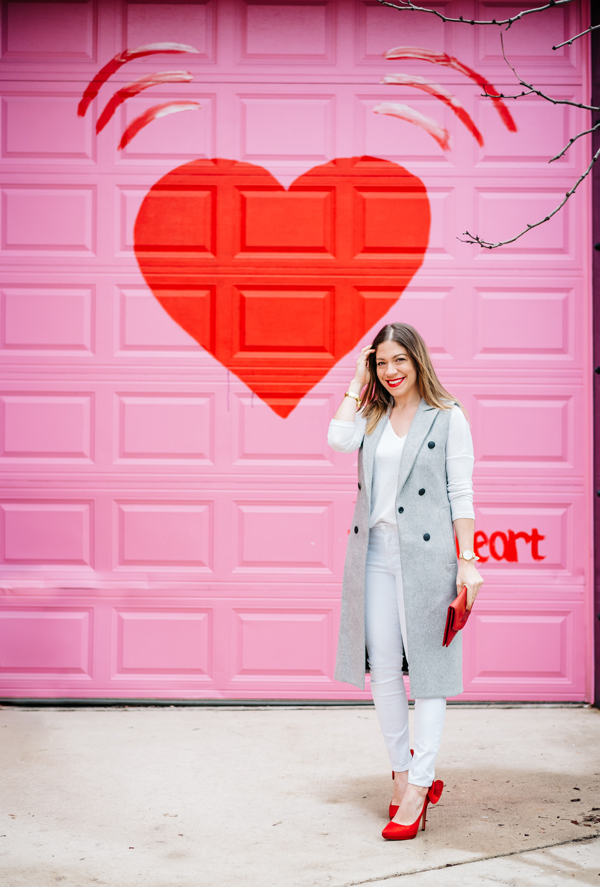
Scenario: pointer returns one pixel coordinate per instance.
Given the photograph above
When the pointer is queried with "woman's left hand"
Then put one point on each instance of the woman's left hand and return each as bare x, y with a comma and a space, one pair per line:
468, 575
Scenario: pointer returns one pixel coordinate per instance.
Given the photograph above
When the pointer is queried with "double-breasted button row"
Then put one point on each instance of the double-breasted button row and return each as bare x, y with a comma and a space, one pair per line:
426, 536
401, 509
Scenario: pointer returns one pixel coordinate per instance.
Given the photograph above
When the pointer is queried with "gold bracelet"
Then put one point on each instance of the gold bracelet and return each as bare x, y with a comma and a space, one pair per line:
356, 398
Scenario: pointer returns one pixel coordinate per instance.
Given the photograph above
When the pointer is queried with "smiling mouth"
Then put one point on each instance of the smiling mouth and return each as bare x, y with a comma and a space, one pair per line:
394, 383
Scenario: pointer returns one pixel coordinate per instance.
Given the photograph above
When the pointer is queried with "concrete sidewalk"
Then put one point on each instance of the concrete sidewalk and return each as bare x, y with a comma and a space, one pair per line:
187, 797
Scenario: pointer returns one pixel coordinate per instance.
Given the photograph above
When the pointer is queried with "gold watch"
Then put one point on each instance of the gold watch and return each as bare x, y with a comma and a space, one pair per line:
355, 396
468, 555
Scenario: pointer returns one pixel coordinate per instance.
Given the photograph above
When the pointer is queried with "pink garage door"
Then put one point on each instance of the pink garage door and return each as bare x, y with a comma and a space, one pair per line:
174, 524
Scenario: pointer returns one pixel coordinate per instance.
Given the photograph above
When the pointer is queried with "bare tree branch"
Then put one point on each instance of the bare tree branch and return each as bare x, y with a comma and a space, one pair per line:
576, 37
528, 89
504, 95
586, 132
532, 90
486, 244
408, 5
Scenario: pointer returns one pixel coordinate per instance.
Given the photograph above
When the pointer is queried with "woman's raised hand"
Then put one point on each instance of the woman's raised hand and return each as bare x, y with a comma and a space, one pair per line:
362, 374
349, 405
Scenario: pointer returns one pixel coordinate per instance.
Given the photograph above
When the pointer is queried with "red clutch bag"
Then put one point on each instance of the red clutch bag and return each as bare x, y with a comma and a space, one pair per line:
457, 617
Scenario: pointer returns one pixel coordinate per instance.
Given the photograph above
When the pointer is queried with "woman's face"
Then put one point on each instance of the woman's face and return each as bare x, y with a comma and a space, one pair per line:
395, 369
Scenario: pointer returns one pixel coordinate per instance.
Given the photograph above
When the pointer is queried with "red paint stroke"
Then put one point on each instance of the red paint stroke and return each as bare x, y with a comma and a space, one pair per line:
133, 89
439, 92
439, 58
435, 129
153, 114
128, 55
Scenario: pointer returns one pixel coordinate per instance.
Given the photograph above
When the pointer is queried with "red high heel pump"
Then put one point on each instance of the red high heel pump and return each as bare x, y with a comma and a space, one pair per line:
393, 808
395, 832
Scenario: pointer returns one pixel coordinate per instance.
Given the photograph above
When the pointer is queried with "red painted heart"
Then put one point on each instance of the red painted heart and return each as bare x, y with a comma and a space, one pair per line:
278, 285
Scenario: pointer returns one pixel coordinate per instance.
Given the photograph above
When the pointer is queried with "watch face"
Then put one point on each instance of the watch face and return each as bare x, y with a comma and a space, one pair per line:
467, 554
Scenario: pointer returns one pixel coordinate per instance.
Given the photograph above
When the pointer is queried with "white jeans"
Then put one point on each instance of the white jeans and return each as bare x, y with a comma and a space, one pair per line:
385, 633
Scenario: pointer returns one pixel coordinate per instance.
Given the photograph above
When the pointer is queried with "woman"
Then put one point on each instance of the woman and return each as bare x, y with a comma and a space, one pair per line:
401, 573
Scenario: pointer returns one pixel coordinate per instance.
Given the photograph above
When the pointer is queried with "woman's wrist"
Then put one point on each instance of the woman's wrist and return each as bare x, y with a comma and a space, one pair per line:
356, 386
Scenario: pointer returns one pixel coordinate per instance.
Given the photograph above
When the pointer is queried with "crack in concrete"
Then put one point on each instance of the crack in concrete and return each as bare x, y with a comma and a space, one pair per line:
448, 865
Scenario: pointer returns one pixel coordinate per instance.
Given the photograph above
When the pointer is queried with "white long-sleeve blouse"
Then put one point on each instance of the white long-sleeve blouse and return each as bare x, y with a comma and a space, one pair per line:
346, 437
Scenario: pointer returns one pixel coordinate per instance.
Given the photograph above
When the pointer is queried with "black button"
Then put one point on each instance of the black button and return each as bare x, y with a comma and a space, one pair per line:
359, 487
421, 492
356, 529
431, 444
400, 510
426, 537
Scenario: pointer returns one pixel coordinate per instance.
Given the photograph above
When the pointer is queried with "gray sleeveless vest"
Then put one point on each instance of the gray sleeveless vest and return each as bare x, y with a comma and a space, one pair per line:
428, 556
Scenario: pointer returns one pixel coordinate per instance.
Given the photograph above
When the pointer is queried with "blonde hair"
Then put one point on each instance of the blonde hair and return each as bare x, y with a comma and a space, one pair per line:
377, 400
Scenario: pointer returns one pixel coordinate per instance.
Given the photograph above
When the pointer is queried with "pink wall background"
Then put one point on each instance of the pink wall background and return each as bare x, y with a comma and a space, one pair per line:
164, 532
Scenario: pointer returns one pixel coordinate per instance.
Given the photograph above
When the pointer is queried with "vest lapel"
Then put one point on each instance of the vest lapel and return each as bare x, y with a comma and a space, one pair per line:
369, 447
419, 429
